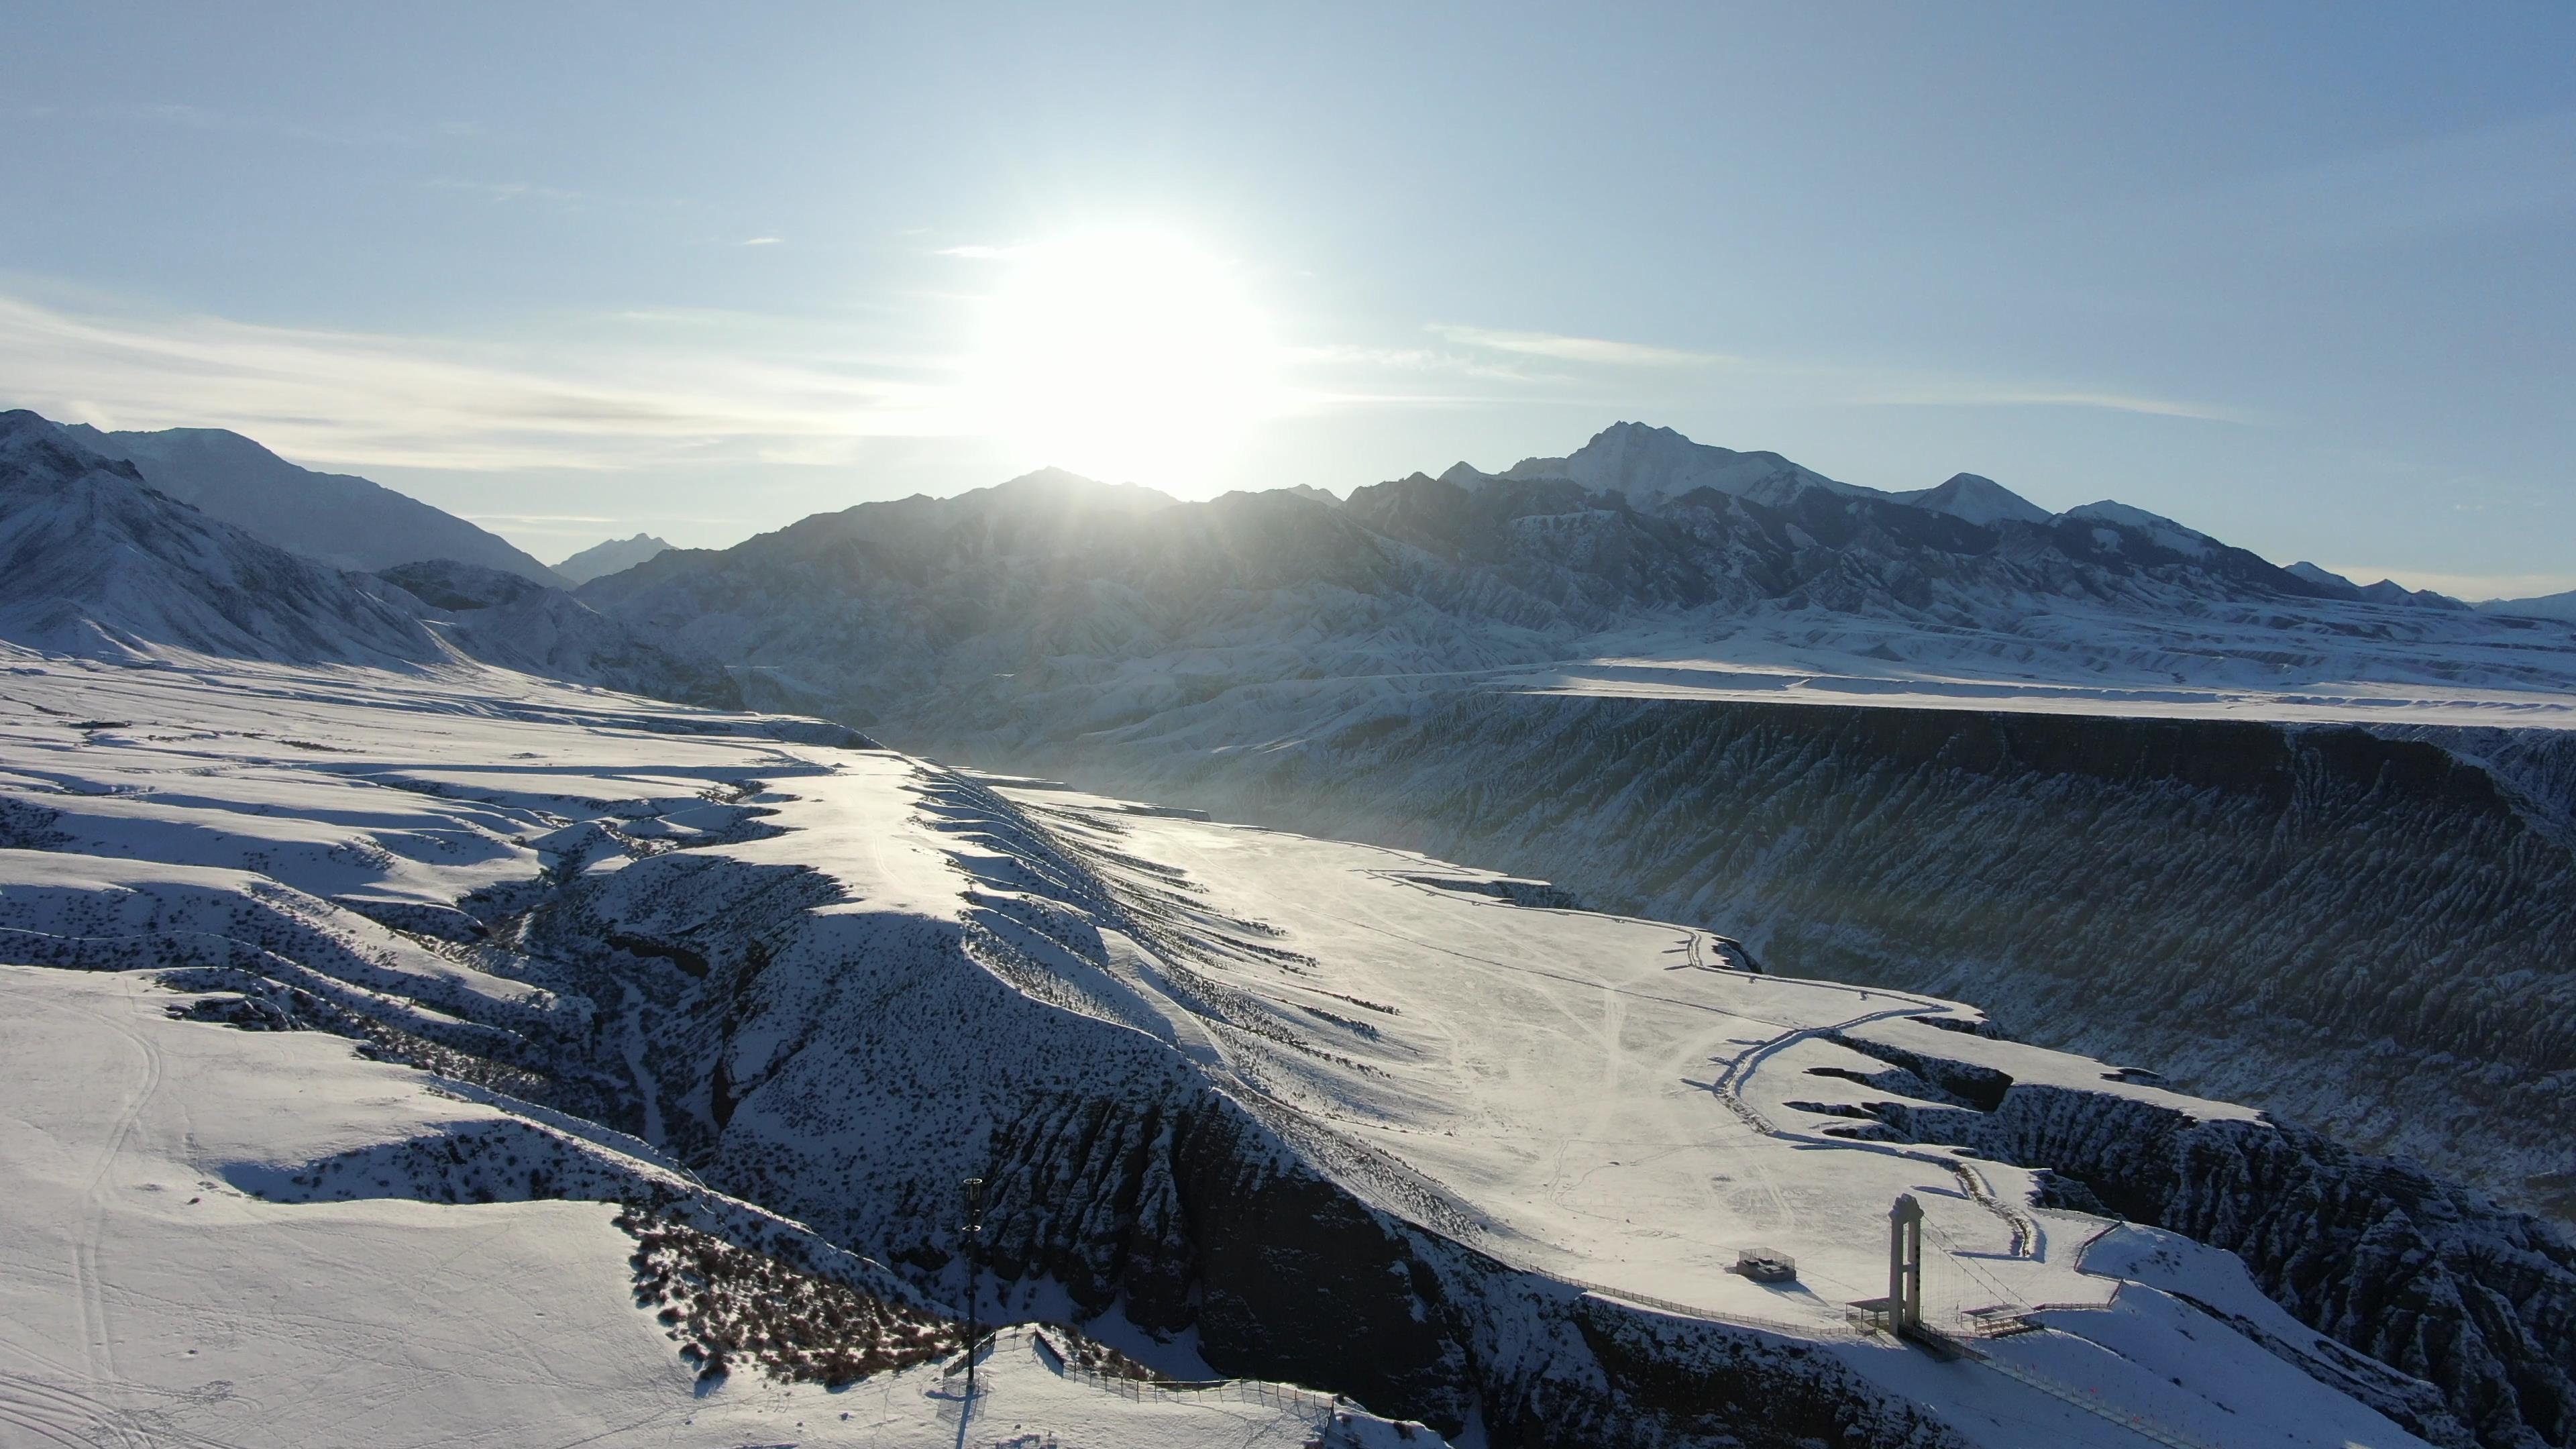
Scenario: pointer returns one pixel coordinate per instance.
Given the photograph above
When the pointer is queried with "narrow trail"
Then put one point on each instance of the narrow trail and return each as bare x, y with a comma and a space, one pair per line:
2028, 1240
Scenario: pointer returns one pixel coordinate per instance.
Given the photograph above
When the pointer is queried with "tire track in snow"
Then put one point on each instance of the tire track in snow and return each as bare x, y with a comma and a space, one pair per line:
2027, 1237
97, 1335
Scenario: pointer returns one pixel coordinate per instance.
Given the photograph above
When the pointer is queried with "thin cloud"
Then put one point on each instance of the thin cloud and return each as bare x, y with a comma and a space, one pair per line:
1972, 394
1823, 383
1581, 349
506, 191
760, 241
366, 400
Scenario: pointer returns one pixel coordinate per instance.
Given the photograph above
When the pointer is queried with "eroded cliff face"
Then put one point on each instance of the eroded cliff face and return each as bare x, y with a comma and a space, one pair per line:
2374, 937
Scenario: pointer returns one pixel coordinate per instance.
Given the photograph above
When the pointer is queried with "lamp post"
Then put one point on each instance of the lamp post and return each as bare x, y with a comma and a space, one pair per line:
974, 1232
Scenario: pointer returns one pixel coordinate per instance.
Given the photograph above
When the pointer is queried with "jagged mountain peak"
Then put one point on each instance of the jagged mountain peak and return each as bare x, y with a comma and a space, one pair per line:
614, 556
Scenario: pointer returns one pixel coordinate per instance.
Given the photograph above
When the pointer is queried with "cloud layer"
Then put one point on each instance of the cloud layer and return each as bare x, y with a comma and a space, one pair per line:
358, 400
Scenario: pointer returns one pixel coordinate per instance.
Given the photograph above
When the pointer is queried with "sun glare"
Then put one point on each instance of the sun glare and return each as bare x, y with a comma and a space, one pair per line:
1127, 356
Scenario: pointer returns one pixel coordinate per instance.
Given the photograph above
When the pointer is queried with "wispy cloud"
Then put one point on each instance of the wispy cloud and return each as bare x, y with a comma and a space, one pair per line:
360, 399
1969, 393
1582, 349
761, 241
1801, 380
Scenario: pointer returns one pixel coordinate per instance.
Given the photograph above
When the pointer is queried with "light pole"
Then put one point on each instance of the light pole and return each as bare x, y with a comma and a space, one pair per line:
974, 1232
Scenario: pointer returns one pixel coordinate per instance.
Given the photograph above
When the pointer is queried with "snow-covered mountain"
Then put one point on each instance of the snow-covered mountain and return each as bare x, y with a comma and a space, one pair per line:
1981, 501
337, 518
1434, 1139
614, 556
1643, 463
1070, 606
96, 563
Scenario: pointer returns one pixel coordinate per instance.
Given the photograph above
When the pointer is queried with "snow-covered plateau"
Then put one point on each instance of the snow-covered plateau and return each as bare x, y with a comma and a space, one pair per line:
1288, 1108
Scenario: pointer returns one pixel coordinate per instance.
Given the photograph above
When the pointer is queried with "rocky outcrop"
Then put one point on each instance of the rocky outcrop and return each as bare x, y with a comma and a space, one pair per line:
2423, 1276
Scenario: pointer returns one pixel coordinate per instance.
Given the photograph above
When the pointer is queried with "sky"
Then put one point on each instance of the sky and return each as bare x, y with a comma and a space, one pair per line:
2297, 275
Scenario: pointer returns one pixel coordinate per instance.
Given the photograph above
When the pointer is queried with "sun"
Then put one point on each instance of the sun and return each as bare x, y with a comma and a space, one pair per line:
1127, 356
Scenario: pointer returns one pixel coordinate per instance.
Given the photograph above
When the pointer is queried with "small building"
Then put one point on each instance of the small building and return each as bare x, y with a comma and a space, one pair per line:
1767, 1265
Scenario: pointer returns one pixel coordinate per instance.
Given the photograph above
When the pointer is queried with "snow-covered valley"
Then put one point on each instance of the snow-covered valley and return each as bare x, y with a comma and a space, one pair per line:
1306, 1110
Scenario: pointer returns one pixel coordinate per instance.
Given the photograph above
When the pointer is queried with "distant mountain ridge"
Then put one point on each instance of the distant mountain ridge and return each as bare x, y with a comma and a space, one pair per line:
613, 556
1049, 598
338, 518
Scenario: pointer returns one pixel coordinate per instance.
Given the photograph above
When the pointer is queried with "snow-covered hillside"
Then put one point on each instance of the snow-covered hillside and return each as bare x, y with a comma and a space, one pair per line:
169, 1282
95, 562
342, 520
1284, 1107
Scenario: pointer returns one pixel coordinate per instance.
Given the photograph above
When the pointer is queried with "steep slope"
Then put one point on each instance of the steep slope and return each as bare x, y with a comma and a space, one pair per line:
94, 563
614, 556
1308, 1110
338, 518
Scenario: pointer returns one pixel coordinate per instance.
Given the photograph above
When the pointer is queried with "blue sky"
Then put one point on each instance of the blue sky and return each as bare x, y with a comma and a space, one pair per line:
2297, 275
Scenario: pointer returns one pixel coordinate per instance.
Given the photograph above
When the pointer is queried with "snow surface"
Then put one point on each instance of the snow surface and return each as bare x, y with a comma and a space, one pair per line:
1602, 1101
148, 1297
